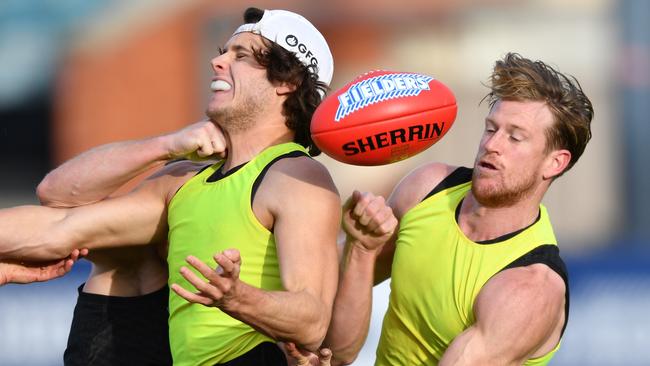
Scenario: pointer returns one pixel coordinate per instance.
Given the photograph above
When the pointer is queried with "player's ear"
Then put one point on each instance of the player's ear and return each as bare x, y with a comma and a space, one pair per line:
285, 88
556, 163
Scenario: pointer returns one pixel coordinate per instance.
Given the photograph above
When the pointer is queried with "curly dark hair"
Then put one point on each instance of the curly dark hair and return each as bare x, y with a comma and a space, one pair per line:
283, 66
520, 79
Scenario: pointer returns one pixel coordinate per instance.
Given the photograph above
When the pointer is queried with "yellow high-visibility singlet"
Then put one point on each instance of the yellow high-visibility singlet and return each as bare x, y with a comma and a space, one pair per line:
206, 217
438, 272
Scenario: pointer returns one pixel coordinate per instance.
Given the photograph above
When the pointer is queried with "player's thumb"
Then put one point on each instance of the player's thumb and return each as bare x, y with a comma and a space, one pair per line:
325, 356
233, 255
351, 201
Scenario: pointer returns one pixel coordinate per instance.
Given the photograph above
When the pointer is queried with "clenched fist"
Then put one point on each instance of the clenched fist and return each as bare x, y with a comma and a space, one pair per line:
368, 219
196, 142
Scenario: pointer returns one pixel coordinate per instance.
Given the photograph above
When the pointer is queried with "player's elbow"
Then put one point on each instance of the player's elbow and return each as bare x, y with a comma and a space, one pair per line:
46, 193
50, 194
58, 244
314, 335
61, 246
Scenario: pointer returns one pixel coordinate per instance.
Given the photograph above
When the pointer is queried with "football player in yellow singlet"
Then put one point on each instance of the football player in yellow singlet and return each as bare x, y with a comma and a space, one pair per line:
476, 277
244, 215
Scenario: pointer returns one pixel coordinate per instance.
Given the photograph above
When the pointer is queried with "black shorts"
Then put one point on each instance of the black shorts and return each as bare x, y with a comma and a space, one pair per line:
112, 330
264, 354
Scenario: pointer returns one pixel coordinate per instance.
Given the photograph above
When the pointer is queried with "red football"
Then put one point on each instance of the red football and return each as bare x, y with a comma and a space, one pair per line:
382, 117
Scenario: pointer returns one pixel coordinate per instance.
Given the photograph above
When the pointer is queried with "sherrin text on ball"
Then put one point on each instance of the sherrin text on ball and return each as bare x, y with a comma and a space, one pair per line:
382, 117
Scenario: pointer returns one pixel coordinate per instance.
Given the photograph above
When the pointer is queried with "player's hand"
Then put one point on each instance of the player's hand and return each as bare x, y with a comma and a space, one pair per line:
298, 357
28, 272
223, 282
368, 219
198, 141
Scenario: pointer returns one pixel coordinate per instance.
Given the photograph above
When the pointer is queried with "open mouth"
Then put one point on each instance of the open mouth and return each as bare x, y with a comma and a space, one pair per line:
220, 85
486, 165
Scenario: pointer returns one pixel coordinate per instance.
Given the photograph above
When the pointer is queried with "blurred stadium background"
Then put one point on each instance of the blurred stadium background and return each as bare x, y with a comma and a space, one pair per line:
78, 73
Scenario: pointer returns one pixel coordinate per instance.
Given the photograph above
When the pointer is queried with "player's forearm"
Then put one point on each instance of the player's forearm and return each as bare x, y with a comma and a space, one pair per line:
352, 306
95, 174
33, 233
299, 317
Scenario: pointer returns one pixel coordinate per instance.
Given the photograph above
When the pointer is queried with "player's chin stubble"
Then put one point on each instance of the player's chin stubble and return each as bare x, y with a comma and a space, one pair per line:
237, 118
491, 195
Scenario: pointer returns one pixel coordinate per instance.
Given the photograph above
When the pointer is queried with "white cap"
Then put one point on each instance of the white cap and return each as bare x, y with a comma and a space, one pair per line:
295, 34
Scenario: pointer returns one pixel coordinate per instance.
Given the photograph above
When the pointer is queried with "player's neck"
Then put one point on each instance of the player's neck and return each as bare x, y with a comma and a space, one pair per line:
481, 223
245, 145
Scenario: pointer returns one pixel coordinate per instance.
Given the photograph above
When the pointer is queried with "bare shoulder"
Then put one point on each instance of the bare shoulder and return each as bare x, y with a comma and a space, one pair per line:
535, 278
303, 172
293, 186
415, 186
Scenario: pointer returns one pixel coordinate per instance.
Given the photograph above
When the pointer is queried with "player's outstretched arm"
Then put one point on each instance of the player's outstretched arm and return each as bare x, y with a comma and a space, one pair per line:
519, 315
41, 233
28, 272
369, 224
301, 198
97, 173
